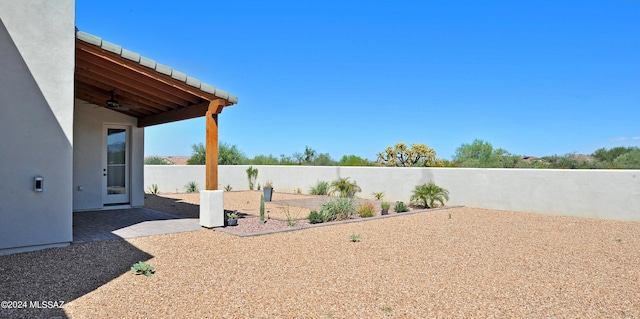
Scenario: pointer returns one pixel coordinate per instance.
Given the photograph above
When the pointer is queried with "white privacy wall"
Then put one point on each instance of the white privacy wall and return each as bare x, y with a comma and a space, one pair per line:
605, 194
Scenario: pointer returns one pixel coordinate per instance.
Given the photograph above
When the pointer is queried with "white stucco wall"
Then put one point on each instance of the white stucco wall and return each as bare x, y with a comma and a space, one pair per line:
605, 194
87, 155
37, 50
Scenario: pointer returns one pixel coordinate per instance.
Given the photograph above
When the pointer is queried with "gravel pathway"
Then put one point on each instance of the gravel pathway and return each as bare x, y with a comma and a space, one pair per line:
476, 264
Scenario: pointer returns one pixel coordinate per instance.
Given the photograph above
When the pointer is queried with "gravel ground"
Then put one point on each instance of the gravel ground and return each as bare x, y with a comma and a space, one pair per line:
473, 263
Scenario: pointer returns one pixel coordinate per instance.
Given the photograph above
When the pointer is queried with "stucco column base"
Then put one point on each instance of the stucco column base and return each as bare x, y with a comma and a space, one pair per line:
212, 208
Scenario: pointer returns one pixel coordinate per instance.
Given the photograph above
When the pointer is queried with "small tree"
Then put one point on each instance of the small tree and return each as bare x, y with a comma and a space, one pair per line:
344, 187
401, 155
252, 175
199, 155
229, 155
427, 194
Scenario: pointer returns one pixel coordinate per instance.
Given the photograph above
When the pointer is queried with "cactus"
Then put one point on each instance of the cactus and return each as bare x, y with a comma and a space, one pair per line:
262, 209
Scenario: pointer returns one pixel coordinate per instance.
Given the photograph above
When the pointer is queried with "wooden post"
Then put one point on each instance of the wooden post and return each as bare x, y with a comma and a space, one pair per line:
212, 144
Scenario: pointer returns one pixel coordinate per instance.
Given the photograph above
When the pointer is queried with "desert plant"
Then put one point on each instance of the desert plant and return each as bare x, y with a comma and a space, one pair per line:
378, 195
153, 189
403, 156
355, 237
366, 210
192, 187
252, 174
142, 268
338, 209
315, 217
298, 191
428, 193
268, 184
400, 207
385, 205
228, 188
344, 187
261, 209
321, 188
232, 215
291, 220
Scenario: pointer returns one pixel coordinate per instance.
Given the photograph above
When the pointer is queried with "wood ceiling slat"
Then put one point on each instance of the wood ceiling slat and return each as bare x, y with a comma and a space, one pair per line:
136, 70
107, 75
130, 94
138, 113
175, 115
97, 96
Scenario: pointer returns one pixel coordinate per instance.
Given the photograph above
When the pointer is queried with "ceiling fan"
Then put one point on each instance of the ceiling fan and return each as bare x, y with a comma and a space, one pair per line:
112, 103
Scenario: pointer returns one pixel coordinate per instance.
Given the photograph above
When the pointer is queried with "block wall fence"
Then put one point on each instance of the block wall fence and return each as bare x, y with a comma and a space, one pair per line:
604, 194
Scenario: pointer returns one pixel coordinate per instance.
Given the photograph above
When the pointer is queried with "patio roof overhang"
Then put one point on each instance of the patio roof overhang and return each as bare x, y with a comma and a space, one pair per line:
156, 93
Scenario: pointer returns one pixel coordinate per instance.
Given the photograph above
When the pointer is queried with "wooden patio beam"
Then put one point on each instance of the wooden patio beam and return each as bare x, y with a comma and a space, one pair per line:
215, 107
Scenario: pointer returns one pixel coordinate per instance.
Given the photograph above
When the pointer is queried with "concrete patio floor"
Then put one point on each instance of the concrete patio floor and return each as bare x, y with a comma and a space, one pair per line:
127, 223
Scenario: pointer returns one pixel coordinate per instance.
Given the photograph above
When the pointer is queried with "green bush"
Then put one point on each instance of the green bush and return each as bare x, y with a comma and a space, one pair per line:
153, 189
428, 193
321, 188
315, 217
252, 174
344, 187
142, 268
401, 207
366, 210
192, 187
385, 206
340, 208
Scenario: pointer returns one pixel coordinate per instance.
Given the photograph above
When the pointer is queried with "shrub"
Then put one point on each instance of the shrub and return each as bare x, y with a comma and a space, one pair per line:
315, 217
355, 237
192, 187
378, 195
321, 188
252, 174
142, 268
153, 189
401, 207
344, 187
338, 209
385, 205
366, 210
427, 194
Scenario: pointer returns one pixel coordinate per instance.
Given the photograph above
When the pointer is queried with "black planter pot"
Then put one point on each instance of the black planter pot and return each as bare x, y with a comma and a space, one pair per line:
268, 191
385, 212
232, 222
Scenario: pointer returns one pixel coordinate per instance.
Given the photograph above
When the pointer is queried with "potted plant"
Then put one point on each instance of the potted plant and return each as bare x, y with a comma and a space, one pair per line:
385, 208
232, 218
268, 191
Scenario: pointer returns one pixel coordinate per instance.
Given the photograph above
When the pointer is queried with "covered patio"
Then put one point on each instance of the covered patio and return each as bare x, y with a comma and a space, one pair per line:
109, 76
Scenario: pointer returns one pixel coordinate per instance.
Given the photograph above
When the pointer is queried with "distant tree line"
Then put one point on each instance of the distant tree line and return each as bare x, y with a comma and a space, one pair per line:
479, 154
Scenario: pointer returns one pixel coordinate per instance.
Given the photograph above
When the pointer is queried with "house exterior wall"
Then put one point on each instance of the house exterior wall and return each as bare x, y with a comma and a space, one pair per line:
604, 194
87, 155
37, 50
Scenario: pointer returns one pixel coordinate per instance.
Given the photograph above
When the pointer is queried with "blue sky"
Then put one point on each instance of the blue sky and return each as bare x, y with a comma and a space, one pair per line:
352, 77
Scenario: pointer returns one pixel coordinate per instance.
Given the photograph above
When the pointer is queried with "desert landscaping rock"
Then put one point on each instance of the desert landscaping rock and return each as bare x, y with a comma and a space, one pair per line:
476, 264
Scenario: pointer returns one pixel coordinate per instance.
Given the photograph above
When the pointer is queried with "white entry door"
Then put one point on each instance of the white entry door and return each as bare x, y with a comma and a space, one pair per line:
115, 165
